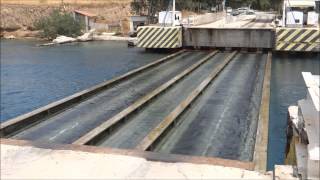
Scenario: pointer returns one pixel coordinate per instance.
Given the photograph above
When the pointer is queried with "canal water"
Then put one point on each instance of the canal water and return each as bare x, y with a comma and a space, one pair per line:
32, 77
287, 87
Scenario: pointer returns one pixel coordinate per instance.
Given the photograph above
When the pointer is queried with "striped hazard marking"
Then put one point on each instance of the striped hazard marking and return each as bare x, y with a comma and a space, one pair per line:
285, 46
159, 37
298, 39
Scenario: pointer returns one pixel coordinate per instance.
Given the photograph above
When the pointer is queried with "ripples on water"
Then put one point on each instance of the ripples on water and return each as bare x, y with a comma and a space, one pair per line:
32, 76
287, 87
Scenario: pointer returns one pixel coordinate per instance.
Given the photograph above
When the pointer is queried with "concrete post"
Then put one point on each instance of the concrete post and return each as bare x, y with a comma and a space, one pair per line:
87, 23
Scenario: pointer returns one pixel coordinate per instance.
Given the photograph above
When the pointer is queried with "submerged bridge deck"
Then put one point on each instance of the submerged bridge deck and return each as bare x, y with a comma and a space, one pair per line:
200, 103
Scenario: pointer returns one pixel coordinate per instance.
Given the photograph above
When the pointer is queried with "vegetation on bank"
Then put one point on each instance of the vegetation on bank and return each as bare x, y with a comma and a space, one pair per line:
151, 7
58, 23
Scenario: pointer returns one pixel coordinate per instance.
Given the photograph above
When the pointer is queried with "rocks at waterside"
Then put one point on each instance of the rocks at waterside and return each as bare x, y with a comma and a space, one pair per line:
90, 36
63, 39
86, 36
10, 37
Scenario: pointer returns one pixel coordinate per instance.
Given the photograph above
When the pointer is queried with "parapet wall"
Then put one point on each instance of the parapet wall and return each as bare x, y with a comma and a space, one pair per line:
229, 38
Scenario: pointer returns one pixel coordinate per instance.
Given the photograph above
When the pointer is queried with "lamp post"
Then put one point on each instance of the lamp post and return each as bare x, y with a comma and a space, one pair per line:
173, 12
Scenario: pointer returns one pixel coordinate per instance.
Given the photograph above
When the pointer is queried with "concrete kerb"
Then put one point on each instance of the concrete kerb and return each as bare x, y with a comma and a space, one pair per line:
261, 144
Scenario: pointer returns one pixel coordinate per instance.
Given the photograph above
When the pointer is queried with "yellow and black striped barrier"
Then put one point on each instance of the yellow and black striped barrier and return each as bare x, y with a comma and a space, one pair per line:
299, 39
159, 37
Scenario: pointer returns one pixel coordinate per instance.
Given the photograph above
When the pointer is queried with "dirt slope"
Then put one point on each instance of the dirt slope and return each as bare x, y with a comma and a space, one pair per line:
21, 17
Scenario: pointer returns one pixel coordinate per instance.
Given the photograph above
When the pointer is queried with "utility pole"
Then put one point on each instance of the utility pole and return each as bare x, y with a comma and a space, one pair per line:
174, 13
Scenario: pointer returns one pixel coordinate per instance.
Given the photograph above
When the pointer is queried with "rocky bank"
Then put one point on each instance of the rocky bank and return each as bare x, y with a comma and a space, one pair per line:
18, 20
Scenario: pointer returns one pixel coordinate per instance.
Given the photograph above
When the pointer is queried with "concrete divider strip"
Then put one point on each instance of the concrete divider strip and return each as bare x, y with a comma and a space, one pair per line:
95, 135
261, 145
152, 137
24, 121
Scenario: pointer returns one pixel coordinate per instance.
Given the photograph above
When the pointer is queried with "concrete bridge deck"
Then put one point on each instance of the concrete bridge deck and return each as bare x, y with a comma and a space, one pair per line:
29, 160
259, 20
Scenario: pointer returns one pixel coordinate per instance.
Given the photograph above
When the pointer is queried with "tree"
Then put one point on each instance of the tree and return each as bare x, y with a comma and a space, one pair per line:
151, 7
139, 7
255, 4
59, 23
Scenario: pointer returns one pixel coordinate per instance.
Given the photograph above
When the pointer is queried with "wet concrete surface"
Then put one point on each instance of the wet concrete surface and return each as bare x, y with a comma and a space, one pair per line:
141, 123
223, 121
71, 124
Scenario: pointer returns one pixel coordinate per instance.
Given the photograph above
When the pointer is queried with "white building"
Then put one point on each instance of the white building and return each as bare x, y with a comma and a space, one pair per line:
300, 13
165, 18
87, 18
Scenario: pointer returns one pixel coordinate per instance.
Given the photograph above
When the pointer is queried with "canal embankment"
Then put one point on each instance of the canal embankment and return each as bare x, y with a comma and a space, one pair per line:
18, 18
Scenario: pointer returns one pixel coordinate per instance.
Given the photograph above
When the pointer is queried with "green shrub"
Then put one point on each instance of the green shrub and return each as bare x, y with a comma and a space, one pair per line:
58, 23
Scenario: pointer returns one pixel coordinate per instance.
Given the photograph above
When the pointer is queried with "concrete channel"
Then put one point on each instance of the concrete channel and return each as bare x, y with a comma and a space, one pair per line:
68, 124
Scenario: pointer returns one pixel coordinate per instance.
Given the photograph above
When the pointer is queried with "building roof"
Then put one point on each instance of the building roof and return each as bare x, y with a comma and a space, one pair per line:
85, 13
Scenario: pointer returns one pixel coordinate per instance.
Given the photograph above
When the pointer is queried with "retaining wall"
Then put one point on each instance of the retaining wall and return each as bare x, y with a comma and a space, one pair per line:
229, 38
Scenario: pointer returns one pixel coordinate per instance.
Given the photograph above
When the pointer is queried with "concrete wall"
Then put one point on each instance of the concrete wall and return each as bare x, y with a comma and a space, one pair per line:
205, 18
238, 38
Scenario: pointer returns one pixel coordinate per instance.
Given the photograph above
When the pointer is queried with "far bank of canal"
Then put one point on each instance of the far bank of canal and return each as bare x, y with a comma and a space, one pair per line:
32, 77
